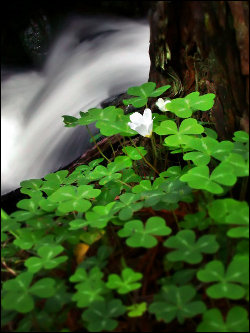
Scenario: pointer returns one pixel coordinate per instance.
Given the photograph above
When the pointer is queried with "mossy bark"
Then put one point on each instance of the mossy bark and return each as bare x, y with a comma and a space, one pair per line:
204, 46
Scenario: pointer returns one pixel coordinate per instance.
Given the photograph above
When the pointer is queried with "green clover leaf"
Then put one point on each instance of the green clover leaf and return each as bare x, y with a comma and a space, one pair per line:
90, 287
184, 107
72, 199
237, 163
112, 120
207, 147
70, 121
57, 177
47, 258
143, 92
176, 302
99, 316
32, 184
226, 283
174, 172
189, 250
17, 293
27, 238
236, 321
129, 176
241, 136
100, 216
175, 191
241, 149
179, 137
128, 205
137, 310
126, 283
135, 153
110, 173
142, 236
197, 220
230, 211
145, 185
198, 178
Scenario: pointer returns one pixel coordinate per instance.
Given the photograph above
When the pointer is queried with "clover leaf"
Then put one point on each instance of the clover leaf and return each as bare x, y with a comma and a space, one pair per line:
179, 136
57, 177
72, 199
59, 299
18, 294
110, 173
142, 236
207, 147
112, 120
230, 211
137, 310
236, 321
126, 283
175, 191
237, 163
27, 238
241, 136
70, 121
32, 184
143, 92
226, 283
184, 107
47, 258
198, 178
197, 220
90, 287
189, 250
145, 185
176, 302
100, 216
128, 205
241, 149
135, 153
100, 315
174, 172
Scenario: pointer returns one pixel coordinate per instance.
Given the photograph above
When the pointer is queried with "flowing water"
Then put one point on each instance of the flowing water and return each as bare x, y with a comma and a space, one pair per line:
92, 59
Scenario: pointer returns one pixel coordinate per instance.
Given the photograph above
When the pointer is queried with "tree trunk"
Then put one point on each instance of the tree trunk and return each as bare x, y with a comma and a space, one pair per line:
203, 46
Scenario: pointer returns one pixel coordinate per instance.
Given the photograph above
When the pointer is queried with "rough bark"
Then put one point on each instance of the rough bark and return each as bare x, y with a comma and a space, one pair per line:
203, 45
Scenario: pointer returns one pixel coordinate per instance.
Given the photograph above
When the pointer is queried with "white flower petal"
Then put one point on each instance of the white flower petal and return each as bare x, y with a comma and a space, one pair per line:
136, 118
143, 124
161, 104
132, 126
147, 116
142, 130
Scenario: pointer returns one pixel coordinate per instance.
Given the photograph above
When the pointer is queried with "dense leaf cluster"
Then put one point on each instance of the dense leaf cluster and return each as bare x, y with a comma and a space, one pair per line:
60, 245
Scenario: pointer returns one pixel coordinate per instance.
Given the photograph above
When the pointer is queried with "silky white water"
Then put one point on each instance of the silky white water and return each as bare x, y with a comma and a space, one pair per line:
91, 60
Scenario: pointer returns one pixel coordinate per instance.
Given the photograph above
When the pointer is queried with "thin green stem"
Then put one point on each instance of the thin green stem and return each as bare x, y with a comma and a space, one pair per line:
154, 146
120, 181
146, 161
176, 220
97, 144
112, 148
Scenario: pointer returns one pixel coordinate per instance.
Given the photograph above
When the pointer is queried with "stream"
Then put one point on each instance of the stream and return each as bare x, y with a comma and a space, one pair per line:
92, 58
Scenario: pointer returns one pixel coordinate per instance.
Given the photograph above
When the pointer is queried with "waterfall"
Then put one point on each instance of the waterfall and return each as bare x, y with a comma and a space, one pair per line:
92, 59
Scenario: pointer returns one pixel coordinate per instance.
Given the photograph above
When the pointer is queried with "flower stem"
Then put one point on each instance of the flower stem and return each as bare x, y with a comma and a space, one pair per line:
146, 161
94, 140
153, 143
120, 181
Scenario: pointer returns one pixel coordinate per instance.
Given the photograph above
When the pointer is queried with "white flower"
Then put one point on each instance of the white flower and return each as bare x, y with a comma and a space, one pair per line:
162, 104
143, 124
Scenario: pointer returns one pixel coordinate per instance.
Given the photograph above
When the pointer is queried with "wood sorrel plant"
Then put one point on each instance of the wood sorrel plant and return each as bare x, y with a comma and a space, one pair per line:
130, 236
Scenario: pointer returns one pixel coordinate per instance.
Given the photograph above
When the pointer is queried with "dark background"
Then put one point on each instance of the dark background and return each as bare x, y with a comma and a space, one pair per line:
44, 18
